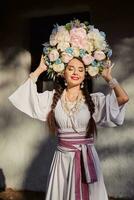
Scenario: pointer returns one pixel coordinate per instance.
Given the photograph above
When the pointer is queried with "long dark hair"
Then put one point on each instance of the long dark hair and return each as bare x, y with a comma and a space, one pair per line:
59, 87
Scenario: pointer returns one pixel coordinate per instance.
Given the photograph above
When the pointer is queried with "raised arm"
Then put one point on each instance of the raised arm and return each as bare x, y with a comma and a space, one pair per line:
28, 100
120, 93
40, 69
110, 108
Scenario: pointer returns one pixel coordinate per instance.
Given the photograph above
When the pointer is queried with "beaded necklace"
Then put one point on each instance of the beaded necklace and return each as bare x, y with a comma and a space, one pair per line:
71, 107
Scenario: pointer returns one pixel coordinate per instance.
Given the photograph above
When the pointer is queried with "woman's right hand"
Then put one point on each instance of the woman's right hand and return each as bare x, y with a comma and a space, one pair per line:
40, 69
42, 65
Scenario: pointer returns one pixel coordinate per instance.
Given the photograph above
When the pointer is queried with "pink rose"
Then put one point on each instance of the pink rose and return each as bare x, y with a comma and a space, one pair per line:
78, 38
53, 55
99, 55
87, 59
65, 57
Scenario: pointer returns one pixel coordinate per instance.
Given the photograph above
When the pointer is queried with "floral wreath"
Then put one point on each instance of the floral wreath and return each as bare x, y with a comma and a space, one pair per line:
76, 40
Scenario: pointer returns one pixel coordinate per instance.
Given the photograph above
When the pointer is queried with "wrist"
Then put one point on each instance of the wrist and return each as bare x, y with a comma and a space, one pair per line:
113, 83
40, 69
34, 75
108, 78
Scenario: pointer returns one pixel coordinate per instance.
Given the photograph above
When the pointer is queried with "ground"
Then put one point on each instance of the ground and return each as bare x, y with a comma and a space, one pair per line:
10, 194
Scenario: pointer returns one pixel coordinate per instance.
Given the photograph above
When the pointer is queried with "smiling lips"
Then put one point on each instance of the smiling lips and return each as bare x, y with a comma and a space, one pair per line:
74, 77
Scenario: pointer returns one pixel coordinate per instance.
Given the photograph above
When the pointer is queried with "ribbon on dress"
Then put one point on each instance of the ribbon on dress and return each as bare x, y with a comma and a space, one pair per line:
85, 171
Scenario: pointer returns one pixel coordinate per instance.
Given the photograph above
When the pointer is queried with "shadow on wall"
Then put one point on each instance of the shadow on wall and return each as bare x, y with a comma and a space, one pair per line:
37, 173
115, 145
14, 64
24, 140
2, 181
115, 149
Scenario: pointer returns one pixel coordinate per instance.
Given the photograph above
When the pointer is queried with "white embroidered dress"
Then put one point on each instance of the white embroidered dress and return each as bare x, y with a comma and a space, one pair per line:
61, 178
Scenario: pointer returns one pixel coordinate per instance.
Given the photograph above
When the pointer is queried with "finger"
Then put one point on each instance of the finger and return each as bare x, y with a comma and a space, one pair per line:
42, 56
108, 63
112, 65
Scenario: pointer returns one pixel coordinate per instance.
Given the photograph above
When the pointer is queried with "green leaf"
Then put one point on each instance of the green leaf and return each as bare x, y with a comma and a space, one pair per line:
68, 26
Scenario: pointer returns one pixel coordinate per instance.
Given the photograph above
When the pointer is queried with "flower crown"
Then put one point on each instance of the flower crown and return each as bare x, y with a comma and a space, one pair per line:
76, 40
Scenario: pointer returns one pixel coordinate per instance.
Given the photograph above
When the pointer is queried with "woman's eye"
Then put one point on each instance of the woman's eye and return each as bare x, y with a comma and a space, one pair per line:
70, 69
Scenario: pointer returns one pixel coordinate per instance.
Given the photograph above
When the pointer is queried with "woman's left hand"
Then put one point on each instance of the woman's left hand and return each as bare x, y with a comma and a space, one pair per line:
106, 73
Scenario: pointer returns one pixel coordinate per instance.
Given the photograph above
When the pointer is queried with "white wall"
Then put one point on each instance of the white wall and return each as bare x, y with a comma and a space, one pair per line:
24, 142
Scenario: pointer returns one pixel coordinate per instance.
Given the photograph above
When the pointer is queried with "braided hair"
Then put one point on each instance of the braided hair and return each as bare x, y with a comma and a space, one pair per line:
91, 127
59, 87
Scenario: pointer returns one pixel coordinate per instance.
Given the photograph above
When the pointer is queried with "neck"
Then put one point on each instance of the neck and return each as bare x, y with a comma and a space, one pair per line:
73, 90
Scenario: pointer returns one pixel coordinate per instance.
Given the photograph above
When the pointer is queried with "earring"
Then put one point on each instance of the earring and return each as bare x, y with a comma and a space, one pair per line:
65, 83
82, 85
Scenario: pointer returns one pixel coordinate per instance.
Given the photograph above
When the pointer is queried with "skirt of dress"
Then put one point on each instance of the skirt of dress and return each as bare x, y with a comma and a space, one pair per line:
61, 178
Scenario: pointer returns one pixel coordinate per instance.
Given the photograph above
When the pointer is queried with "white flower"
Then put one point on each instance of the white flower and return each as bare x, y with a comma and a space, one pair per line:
62, 35
63, 45
89, 47
92, 70
53, 55
93, 34
100, 44
51, 66
58, 67
52, 39
96, 39
76, 52
53, 42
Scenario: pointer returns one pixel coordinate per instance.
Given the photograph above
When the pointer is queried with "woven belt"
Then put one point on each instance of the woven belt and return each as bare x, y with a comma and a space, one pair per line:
85, 171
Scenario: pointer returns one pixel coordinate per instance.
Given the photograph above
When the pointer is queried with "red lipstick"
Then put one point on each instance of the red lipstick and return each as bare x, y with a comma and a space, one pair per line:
74, 77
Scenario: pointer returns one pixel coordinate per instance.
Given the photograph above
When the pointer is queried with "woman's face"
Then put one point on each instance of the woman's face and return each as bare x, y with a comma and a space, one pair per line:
74, 72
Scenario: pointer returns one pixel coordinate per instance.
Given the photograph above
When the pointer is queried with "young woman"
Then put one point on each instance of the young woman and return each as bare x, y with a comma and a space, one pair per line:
72, 113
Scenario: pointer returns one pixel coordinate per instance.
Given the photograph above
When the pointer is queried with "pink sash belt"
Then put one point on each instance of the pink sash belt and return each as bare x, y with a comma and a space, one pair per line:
85, 170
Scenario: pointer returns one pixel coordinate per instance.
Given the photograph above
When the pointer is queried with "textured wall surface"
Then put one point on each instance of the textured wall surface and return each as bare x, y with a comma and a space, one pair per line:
26, 150
115, 145
24, 160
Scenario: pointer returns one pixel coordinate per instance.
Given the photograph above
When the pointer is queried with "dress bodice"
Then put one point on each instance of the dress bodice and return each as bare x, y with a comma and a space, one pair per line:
78, 121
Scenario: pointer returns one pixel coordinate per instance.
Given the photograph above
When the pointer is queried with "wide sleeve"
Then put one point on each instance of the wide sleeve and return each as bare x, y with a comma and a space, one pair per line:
28, 100
107, 111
